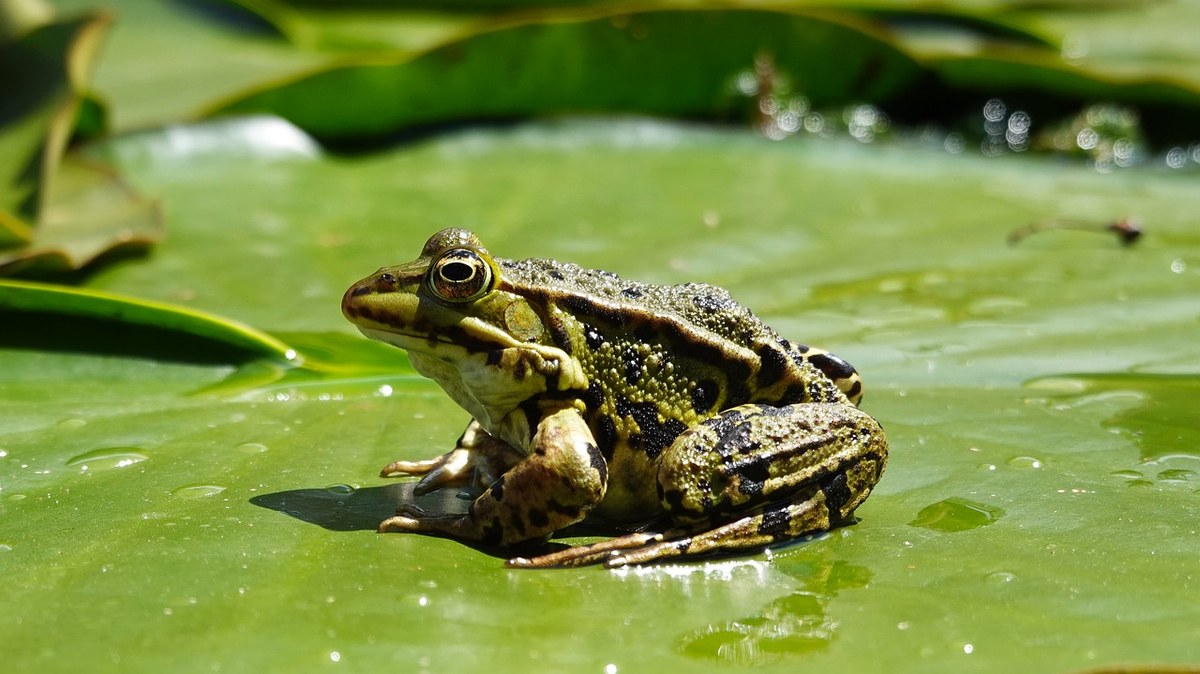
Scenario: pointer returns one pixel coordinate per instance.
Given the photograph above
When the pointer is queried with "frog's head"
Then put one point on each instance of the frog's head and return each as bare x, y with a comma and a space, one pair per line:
465, 328
448, 303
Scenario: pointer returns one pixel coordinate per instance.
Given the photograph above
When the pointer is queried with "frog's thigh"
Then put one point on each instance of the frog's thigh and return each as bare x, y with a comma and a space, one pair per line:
556, 485
787, 471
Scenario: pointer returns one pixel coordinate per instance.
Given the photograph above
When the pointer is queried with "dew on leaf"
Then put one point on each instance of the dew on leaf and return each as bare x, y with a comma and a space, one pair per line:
107, 458
956, 514
198, 490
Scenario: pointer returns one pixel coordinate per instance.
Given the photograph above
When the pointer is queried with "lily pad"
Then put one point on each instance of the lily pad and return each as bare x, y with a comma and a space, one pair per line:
1028, 383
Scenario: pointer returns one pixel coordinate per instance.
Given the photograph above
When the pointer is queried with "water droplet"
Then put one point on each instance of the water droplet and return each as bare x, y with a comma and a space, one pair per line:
1177, 475
1025, 462
994, 110
1176, 157
956, 514
252, 447
1000, 577
108, 458
198, 490
343, 489
1129, 474
72, 423
5, 547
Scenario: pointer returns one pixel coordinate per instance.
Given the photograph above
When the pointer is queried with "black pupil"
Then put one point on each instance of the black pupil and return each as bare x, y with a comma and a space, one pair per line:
457, 271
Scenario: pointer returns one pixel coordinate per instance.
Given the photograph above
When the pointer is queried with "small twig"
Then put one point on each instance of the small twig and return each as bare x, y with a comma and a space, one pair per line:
1128, 230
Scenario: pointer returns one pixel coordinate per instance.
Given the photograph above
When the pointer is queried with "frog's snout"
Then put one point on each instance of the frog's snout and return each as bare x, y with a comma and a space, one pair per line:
351, 302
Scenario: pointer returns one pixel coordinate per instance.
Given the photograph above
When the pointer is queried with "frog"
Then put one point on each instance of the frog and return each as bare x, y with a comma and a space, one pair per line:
670, 414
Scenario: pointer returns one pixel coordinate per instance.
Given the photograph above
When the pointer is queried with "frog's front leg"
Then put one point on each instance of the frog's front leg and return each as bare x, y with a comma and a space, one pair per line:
476, 461
562, 479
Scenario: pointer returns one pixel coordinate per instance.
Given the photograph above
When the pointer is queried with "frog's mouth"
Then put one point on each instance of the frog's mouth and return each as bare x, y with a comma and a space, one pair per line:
451, 342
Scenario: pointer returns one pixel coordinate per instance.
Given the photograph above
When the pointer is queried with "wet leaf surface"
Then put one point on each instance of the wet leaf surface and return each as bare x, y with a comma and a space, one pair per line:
221, 518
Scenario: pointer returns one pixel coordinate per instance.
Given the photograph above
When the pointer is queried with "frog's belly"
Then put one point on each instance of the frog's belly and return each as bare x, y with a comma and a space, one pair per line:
632, 493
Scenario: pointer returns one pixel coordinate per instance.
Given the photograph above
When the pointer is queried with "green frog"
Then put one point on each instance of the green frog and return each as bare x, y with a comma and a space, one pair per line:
670, 410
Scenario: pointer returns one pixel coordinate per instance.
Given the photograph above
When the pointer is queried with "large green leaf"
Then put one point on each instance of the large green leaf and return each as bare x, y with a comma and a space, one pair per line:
639, 62
1039, 510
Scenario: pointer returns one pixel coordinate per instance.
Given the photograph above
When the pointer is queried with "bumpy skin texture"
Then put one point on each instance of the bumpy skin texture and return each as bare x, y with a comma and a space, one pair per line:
595, 395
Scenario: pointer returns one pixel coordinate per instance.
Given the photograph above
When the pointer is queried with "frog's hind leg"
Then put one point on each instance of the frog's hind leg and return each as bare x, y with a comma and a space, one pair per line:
814, 510
752, 477
781, 523
757, 475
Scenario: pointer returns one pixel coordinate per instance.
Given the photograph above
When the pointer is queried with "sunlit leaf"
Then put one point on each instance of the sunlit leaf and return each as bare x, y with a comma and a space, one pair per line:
1024, 389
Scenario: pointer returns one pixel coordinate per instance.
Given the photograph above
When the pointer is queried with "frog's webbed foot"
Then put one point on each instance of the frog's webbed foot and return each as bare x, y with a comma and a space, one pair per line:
478, 461
556, 485
452, 468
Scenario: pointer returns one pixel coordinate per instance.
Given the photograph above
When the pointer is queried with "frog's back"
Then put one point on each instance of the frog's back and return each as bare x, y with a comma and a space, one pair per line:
700, 338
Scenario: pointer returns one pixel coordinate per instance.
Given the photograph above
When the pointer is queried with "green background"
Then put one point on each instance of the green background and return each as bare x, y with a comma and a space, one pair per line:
173, 497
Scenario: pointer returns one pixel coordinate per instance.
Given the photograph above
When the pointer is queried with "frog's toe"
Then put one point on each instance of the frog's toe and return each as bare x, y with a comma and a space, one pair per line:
646, 554
447, 467
407, 518
412, 518
583, 555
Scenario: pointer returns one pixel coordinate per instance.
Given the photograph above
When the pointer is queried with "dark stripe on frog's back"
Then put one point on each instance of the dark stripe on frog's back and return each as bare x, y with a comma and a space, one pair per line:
689, 318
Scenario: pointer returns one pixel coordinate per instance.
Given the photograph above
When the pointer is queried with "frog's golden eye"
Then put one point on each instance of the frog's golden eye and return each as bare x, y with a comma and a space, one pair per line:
460, 275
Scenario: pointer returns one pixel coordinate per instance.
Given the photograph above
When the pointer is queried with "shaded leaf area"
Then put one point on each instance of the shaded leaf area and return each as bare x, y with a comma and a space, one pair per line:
54, 318
641, 62
60, 213
967, 54
351, 27
121, 318
165, 60
43, 69
979, 551
1047, 87
90, 217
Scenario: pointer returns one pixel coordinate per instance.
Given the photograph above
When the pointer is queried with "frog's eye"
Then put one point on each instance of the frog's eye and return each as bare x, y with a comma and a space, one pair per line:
460, 275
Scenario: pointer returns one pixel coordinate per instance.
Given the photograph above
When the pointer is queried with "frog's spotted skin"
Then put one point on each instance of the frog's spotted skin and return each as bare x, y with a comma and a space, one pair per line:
635, 402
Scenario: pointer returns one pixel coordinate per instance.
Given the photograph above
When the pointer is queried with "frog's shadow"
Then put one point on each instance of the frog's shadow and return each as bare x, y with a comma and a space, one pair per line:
343, 508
